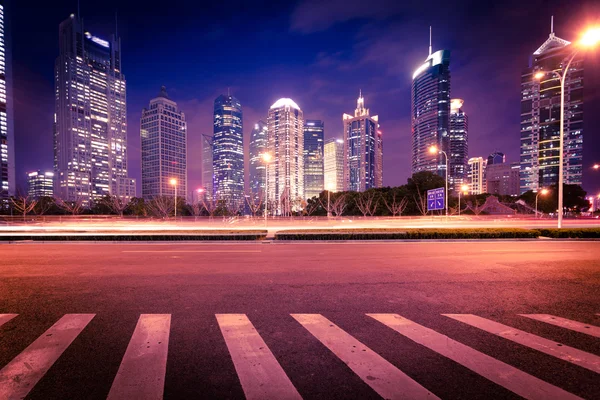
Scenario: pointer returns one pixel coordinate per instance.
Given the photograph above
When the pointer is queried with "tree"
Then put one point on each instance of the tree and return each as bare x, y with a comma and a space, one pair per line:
367, 202
311, 206
23, 204
161, 206
74, 207
254, 203
421, 202
137, 206
116, 204
44, 205
396, 205
339, 204
211, 206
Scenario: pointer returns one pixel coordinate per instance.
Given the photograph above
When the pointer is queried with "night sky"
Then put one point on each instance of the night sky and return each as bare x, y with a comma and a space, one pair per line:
317, 52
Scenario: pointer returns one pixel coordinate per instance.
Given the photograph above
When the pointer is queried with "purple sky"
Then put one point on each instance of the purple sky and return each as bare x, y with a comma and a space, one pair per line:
319, 53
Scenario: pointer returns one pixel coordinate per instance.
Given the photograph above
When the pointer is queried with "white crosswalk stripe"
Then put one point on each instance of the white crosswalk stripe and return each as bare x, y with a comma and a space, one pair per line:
19, 376
141, 374
570, 354
4, 318
505, 375
566, 323
387, 380
259, 372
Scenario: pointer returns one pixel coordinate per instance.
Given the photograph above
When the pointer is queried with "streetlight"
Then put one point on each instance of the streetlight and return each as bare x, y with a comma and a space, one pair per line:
173, 182
596, 166
589, 39
266, 159
463, 188
543, 192
434, 150
329, 188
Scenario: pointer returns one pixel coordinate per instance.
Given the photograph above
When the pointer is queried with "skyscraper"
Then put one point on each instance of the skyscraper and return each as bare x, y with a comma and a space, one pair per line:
207, 166
477, 175
258, 146
314, 131
430, 113
228, 151
540, 117
7, 139
496, 158
502, 179
40, 184
459, 145
334, 165
363, 147
90, 116
285, 143
164, 148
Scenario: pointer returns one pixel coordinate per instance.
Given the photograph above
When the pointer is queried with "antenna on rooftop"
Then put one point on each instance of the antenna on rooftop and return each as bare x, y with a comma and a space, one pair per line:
552, 25
430, 40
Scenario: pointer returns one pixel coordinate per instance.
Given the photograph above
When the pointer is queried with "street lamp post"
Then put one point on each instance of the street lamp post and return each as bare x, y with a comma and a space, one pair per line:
173, 182
464, 189
543, 192
590, 39
266, 158
433, 150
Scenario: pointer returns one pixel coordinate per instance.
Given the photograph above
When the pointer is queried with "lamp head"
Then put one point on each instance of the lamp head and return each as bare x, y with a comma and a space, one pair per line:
267, 157
591, 37
544, 191
539, 75
173, 181
433, 150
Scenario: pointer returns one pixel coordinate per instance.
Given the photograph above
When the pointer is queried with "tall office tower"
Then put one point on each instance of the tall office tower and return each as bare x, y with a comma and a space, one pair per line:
476, 175
334, 165
314, 131
258, 147
363, 147
496, 158
207, 166
164, 148
228, 151
40, 184
430, 103
7, 139
459, 145
91, 117
540, 117
502, 179
285, 143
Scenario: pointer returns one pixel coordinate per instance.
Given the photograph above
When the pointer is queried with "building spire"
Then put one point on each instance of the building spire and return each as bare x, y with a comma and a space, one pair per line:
116, 25
552, 25
429, 39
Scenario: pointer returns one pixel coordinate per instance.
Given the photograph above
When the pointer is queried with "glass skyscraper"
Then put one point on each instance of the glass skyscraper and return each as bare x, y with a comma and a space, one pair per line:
459, 145
90, 141
228, 151
334, 165
285, 143
540, 117
164, 148
314, 131
363, 148
7, 140
40, 184
496, 158
207, 166
258, 146
430, 113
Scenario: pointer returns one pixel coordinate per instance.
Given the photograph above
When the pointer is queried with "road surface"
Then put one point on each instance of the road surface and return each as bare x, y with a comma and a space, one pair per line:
322, 320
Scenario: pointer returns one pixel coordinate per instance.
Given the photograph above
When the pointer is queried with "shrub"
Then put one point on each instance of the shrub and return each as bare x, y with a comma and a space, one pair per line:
381, 234
579, 233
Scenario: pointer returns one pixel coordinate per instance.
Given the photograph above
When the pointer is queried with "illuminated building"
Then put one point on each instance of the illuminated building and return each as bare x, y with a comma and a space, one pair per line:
258, 147
285, 143
363, 148
430, 103
228, 151
476, 175
540, 117
207, 166
334, 165
314, 131
458, 157
164, 148
40, 184
7, 140
90, 136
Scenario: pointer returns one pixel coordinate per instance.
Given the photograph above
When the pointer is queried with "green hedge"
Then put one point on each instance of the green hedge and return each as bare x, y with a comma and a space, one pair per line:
583, 233
379, 234
136, 238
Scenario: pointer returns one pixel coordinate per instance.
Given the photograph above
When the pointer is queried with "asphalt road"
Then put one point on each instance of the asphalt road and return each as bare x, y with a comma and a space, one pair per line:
277, 320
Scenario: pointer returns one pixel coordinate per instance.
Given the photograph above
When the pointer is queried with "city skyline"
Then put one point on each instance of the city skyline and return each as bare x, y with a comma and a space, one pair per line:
484, 136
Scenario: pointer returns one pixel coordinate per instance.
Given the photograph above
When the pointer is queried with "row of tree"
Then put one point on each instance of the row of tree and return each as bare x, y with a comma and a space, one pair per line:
408, 199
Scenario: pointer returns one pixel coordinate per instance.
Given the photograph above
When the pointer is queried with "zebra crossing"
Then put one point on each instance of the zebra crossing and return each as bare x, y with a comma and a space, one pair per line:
143, 368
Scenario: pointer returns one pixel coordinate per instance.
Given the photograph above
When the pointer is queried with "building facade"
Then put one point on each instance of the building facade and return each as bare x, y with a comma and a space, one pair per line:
285, 143
476, 175
430, 113
257, 173
502, 179
7, 139
540, 117
458, 157
314, 136
228, 151
496, 158
90, 142
363, 149
334, 165
207, 167
164, 148
40, 184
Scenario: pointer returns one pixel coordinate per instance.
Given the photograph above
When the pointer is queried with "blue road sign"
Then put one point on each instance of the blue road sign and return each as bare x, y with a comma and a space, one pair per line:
435, 199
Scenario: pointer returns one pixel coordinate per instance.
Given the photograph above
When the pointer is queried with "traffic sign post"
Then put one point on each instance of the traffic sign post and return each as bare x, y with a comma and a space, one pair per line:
435, 199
